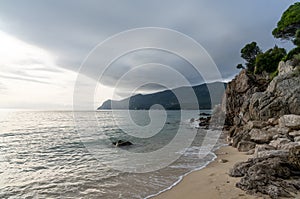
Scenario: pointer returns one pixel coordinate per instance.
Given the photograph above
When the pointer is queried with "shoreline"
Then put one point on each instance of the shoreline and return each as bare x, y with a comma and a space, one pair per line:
210, 181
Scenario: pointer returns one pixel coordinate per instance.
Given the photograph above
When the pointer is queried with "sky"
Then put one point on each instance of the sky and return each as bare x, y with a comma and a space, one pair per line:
45, 43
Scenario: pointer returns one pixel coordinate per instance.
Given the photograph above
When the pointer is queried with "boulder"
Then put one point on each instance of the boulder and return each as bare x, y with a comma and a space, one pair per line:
245, 146
268, 175
290, 121
272, 153
121, 143
260, 136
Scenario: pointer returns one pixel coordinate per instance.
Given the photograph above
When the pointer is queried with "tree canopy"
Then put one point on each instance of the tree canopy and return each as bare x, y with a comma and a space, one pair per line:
269, 60
249, 53
289, 23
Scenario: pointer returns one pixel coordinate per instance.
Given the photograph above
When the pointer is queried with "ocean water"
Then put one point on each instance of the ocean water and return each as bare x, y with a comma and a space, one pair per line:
48, 154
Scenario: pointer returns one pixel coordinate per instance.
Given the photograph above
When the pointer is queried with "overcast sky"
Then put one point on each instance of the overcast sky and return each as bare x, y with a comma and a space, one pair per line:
43, 43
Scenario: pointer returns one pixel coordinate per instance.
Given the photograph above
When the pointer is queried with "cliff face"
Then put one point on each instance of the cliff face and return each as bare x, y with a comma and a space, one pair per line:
263, 119
238, 94
250, 97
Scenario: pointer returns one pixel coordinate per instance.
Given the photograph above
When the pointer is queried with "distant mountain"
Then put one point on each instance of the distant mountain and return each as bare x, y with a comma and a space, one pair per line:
168, 99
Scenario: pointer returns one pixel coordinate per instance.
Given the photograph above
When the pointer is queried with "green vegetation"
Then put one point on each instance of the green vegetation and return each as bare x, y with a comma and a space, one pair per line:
289, 23
288, 28
269, 60
249, 53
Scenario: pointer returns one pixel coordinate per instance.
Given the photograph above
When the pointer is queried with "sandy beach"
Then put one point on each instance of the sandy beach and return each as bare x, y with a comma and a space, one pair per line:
212, 182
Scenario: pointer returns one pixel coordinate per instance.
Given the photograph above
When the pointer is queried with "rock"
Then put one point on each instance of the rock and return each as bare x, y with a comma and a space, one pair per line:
286, 88
260, 136
250, 152
263, 147
245, 146
278, 130
204, 122
290, 121
273, 121
240, 168
289, 145
297, 139
241, 135
294, 133
256, 124
267, 176
284, 68
294, 157
121, 143
272, 153
204, 114
223, 161
237, 96
279, 142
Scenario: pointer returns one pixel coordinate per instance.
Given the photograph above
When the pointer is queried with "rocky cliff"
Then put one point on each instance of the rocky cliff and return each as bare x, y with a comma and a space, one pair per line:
263, 119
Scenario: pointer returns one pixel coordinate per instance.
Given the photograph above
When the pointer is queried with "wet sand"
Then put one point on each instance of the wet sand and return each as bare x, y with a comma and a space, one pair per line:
212, 182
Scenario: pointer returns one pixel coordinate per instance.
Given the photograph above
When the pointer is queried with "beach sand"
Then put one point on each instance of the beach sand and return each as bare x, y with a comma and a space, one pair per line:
212, 182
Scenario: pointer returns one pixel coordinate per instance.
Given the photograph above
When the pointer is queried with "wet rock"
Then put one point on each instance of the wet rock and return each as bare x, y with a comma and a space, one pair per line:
121, 143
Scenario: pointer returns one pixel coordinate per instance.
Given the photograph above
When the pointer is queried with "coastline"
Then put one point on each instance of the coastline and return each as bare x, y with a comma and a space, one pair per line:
211, 181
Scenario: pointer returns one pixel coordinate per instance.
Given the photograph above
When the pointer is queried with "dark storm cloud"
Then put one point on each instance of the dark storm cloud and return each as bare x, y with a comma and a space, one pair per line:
70, 29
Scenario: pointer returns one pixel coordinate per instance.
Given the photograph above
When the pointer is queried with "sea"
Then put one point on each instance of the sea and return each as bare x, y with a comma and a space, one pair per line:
61, 154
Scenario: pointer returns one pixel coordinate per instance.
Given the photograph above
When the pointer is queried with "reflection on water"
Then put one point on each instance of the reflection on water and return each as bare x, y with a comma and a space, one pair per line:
43, 156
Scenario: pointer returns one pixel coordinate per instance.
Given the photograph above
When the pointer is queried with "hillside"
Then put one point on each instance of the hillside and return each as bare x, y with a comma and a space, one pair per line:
168, 99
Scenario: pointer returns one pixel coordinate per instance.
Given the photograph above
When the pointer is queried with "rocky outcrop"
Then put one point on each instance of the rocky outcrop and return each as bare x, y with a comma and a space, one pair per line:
272, 175
237, 95
250, 97
263, 119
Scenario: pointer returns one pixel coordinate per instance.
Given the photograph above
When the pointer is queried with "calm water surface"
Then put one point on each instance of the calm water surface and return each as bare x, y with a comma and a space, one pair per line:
43, 155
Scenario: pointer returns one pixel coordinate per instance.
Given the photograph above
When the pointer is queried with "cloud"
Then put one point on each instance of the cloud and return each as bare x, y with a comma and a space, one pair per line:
54, 37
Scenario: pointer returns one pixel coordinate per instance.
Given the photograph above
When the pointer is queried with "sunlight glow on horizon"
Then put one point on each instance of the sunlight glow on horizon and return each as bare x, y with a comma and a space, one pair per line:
30, 78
